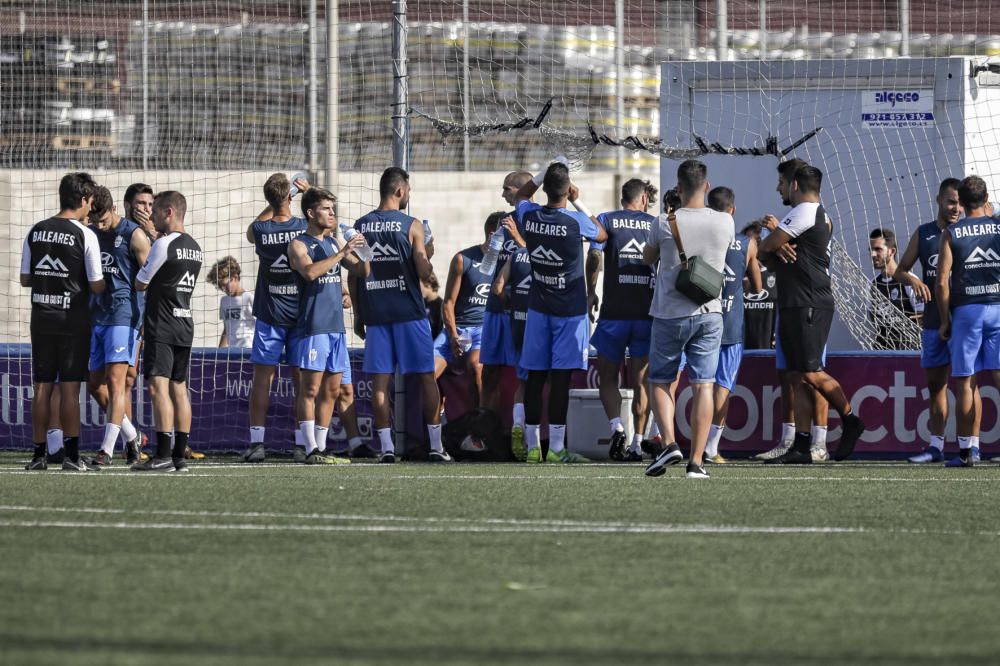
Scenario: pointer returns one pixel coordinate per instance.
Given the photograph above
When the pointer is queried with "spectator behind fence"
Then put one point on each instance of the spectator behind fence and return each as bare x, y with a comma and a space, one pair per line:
235, 306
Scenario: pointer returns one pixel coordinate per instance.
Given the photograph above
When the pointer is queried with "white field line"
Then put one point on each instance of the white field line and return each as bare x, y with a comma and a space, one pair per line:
411, 525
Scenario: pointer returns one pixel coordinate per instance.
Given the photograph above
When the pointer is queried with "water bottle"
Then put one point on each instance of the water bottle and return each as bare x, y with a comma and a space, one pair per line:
489, 265
464, 340
428, 236
301, 175
364, 252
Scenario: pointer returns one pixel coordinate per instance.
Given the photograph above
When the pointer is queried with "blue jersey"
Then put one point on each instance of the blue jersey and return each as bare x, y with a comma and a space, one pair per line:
391, 293
493, 302
732, 290
321, 301
276, 298
628, 282
554, 238
928, 244
120, 304
520, 294
471, 303
975, 272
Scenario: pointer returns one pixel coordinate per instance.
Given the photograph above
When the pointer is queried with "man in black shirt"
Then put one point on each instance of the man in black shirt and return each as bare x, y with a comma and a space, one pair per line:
61, 263
882, 244
168, 278
805, 309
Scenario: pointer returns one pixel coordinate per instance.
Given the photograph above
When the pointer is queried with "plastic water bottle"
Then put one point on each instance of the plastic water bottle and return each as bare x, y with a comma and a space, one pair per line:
428, 235
464, 340
301, 175
489, 265
363, 251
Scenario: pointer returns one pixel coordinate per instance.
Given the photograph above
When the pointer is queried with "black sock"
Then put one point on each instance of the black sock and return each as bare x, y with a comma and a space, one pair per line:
40, 450
802, 443
180, 444
163, 445
72, 446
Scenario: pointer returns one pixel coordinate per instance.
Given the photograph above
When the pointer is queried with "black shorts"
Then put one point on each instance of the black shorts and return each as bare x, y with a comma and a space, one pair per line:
162, 359
60, 357
804, 332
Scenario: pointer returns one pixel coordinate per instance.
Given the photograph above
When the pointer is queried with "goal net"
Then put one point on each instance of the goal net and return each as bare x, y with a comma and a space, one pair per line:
210, 97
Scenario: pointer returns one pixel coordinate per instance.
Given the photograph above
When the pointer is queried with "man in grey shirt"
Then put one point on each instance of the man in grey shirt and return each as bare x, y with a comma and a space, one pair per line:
679, 324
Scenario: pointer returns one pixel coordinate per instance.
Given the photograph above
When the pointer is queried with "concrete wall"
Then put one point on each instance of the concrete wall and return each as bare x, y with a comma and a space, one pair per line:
222, 204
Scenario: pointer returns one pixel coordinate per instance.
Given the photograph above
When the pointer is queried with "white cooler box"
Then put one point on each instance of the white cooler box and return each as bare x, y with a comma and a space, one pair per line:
587, 428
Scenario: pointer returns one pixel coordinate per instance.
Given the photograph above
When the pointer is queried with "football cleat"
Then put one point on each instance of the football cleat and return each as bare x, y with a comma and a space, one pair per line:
517, 446
779, 450
317, 458
566, 456
80, 465
534, 455
254, 454
961, 461
931, 454
616, 448
633, 456
361, 452
179, 465
717, 459
57, 457
102, 459
154, 465
387, 458
819, 454
299, 453
975, 454
439, 457
791, 457
39, 463
854, 427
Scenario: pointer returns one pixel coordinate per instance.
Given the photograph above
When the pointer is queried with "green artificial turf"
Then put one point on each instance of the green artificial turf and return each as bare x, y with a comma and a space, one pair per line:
499, 564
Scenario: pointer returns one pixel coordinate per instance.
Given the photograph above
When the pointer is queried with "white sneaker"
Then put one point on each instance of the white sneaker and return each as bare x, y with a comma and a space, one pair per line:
779, 450
819, 454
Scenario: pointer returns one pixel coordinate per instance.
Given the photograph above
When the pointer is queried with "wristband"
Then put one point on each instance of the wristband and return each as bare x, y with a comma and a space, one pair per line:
580, 207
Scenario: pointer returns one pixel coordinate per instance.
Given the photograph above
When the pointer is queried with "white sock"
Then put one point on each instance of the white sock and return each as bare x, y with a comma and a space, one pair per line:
308, 430
937, 441
128, 430
385, 439
712, 444
434, 432
654, 430
531, 436
299, 440
557, 438
321, 434
818, 434
111, 432
964, 443
787, 432
257, 435
54, 441
354, 442
974, 441
636, 444
518, 414
616, 425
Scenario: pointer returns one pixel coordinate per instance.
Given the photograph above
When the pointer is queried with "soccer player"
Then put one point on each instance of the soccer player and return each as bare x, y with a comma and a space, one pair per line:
555, 333
235, 306
168, 277
513, 286
805, 313
116, 316
741, 261
61, 264
758, 308
968, 303
497, 348
681, 325
139, 206
882, 244
275, 305
624, 322
935, 358
322, 351
398, 335
465, 294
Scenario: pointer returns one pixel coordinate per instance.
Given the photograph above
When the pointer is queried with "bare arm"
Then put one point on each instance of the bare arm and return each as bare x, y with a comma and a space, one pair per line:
223, 340
595, 258
753, 269
421, 261
140, 248
943, 284
250, 238
453, 286
301, 262
501, 280
511, 226
906, 262
355, 266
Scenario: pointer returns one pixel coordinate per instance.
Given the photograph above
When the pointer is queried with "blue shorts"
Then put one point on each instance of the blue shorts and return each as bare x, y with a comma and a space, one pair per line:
522, 374
697, 338
406, 346
730, 357
348, 377
442, 344
325, 352
273, 344
975, 339
612, 336
112, 344
779, 357
934, 352
497, 347
555, 343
